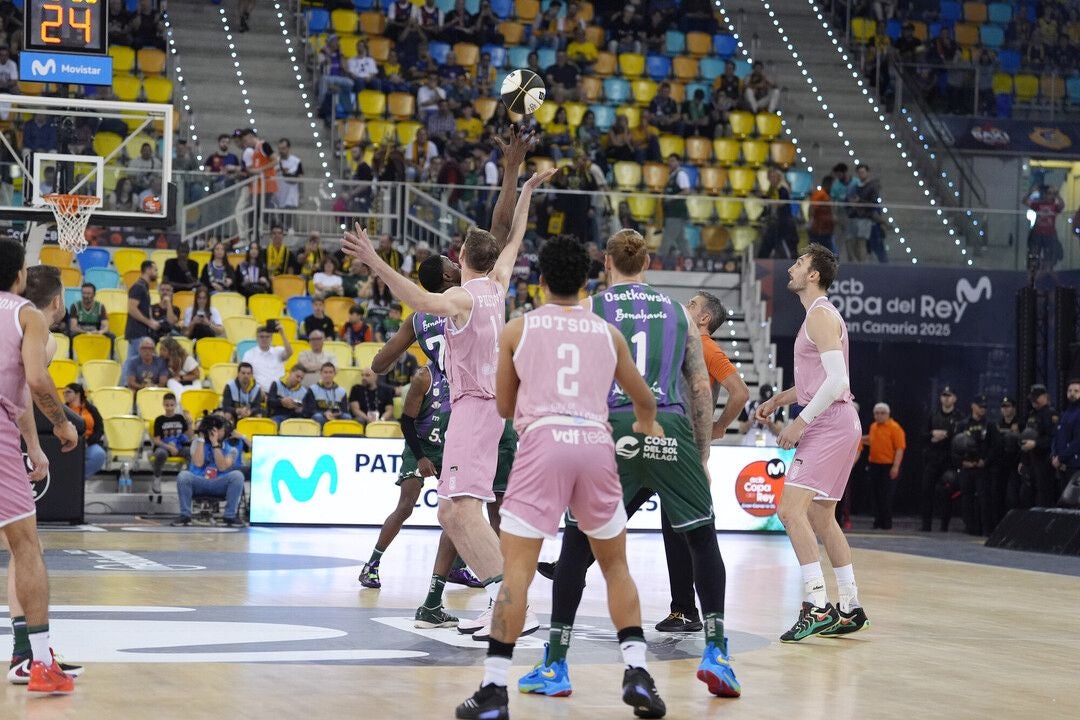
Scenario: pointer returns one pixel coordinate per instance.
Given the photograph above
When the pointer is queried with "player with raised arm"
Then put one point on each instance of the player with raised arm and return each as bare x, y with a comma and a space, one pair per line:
556, 365
667, 353
475, 317
23, 337
827, 438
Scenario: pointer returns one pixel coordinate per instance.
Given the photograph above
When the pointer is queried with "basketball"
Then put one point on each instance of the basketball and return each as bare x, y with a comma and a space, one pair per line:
151, 204
523, 92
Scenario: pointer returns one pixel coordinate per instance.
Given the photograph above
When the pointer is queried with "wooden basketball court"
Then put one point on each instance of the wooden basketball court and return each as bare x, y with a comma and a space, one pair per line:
271, 623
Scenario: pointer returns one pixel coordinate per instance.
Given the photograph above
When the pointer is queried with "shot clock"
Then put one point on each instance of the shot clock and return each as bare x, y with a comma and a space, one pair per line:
68, 26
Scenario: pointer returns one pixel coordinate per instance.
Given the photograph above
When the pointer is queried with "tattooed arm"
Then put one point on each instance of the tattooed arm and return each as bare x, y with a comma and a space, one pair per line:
42, 387
700, 390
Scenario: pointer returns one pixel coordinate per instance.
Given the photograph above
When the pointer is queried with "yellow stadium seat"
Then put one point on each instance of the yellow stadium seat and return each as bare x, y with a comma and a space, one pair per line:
201, 257
1026, 87
526, 10
782, 153
151, 61
32, 88
264, 306
729, 211
402, 105
768, 125
592, 88
112, 400
512, 32
372, 22
685, 68
342, 427
975, 12
596, 35
655, 175
239, 328
63, 345
200, 401
298, 346
542, 163
421, 358
353, 132
966, 34
365, 352
742, 180
726, 150
126, 87
120, 349
337, 309
341, 351
348, 376
123, 58
715, 238
399, 405
643, 90
575, 112
545, 114
1002, 84
863, 29
406, 131
114, 299
149, 403
158, 89
299, 426
642, 207
160, 256
713, 179
743, 236
63, 371
672, 145
105, 143
700, 208
249, 427
466, 54
755, 152
288, 326
91, 347
383, 429
347, 44
485, 107
699, 44
55, 255
380, 131
755, 208
627, 175
185, 342
288, 286
70, 277
344, 22
654, 236
101, 373
632, 113
372, 103
631, 65
742, 123
379, 48
124, 434
118, 323
126, 259
229, 303
606, 64
211, 351
1052, 88
698, 150
220, 375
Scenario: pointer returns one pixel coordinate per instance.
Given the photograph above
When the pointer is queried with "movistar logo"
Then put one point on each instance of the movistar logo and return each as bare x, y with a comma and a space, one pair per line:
302, 489
43, 68
966, 293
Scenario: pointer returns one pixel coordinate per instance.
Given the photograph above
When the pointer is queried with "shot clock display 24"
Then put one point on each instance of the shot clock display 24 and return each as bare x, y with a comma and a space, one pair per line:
72, 26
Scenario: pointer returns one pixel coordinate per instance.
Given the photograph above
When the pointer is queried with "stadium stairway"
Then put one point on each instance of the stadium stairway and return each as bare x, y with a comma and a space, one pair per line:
922, 228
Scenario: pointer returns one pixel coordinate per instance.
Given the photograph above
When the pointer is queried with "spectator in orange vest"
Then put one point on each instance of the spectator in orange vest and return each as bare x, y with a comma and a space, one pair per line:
887, 444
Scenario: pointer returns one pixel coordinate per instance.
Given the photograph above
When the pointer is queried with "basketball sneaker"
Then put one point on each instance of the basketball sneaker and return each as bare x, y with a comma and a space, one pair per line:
431, 618
369, 575
678, 622
483, 620
853, 621
19, 670
812, 621
463, 576
547, 569
49, 679
551, 680
715, 671
490, 702
532, 624
639, 692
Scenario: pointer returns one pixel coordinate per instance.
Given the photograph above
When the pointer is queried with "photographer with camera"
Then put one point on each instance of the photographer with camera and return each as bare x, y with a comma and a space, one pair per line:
214, 470
268, 363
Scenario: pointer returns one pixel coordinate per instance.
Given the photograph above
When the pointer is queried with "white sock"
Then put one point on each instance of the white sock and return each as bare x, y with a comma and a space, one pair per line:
814, 584
633, 654
39, 647
496, 670
492, 590
849, 593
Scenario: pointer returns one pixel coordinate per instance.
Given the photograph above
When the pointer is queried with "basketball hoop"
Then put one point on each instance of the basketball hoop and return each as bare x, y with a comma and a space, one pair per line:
72, 213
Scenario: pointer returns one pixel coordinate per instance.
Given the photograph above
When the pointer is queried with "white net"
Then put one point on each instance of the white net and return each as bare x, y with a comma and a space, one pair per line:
72, 213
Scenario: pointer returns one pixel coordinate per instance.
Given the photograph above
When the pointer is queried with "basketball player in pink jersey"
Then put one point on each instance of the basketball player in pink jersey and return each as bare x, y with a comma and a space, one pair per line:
23, 335
475, 317
556, 365
827, 436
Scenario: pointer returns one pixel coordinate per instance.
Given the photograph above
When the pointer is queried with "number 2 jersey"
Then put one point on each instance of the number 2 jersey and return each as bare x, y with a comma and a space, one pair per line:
434, 412
655, 328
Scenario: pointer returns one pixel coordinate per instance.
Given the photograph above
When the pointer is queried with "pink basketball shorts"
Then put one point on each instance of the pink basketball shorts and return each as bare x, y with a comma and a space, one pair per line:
826, 453
16, 495
471, 450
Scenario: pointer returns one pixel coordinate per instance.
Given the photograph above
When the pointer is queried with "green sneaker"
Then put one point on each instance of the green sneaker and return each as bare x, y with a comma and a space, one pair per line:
431, 618
812, 620
853, 621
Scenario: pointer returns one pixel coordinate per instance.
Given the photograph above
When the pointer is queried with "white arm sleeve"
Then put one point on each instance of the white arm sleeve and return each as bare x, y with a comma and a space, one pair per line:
835, 385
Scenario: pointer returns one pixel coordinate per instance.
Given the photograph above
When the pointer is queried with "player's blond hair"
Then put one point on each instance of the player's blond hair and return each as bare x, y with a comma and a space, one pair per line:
627, 251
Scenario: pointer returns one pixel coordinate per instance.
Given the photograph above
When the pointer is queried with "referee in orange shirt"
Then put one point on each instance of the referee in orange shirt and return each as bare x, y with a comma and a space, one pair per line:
887, 444
708, 314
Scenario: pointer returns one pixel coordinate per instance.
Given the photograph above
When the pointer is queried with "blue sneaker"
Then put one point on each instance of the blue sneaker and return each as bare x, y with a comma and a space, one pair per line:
544, 679
715, 671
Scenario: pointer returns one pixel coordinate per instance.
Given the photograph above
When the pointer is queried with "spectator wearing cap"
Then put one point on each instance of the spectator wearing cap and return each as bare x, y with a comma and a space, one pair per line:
974, 449
1037, 487
1006, 479
940, 429
1065, 448
887, 443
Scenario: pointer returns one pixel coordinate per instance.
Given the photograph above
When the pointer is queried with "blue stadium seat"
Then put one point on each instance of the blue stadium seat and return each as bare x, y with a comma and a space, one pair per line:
692, 235
518, 56
991, 36
362, 5
1072, 90
950, 12
742, 68
691, 175
299, 307
498, 54
545, 4
503, 9
102, 277
439, 51
1009, 61
131, 5
724, 45
545, 57
675, 42
711, 68
444, 5
658, 67
243, 346
72, 296
616, 90
318, 21
893, 29
934, 28
93, 257
605, 116
1000, 13
694, 86
801, 182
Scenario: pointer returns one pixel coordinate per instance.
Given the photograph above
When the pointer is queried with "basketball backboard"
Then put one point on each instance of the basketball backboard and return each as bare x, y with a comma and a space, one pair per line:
120, 152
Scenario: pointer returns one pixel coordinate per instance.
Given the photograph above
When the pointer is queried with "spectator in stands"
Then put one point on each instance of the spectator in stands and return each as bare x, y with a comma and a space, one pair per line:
399, 15
169, 437
390, 254
469, 125
181, 271
328, 281
419, 153
39, 135
164, 312
370, 400
620, 146
88, 315
485, 71
318, 321
268, 362
285, 399
251, 277
289, 169
853, 248
780, 233
655, 30
943, 49
120, 20
587, 136
546, 27
449, 70
1044, 248
334, 76
908, 46
521, 300
75, 399
698, 116
562, 78
822, 221
420, 252
279, 258
241, 396
675, 213
393, 76
222, 163
582, 50
378, 305
887, 443
213, 470
761, 93
184, 371
664, 111
430, 19
460, 94
9, 72
123, 198
145, 369
148, 27
626, 220
150, 197
312, 360
756, 433
257, 159
142, 168
867, 224
392, 322
557, 137
201, 319
217, 274
697, 15
625, 30
441, 124
326, 400
357, 330
428, 97
310, 260
363, 70
139, 323
458, 24
357, 282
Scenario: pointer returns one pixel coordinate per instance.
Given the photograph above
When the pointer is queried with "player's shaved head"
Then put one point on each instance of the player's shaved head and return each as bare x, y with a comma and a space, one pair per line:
564, 266
627, 251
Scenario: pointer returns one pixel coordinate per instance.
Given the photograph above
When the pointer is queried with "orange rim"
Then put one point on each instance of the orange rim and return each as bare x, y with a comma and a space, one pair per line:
70, 204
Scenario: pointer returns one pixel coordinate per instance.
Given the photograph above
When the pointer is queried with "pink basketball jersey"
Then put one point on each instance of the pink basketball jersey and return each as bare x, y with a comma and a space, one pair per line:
566, 362
472, 350
809, 372
13, 393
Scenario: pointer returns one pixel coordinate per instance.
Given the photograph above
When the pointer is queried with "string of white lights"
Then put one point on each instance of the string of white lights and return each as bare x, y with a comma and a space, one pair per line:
236, 66
181, 86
